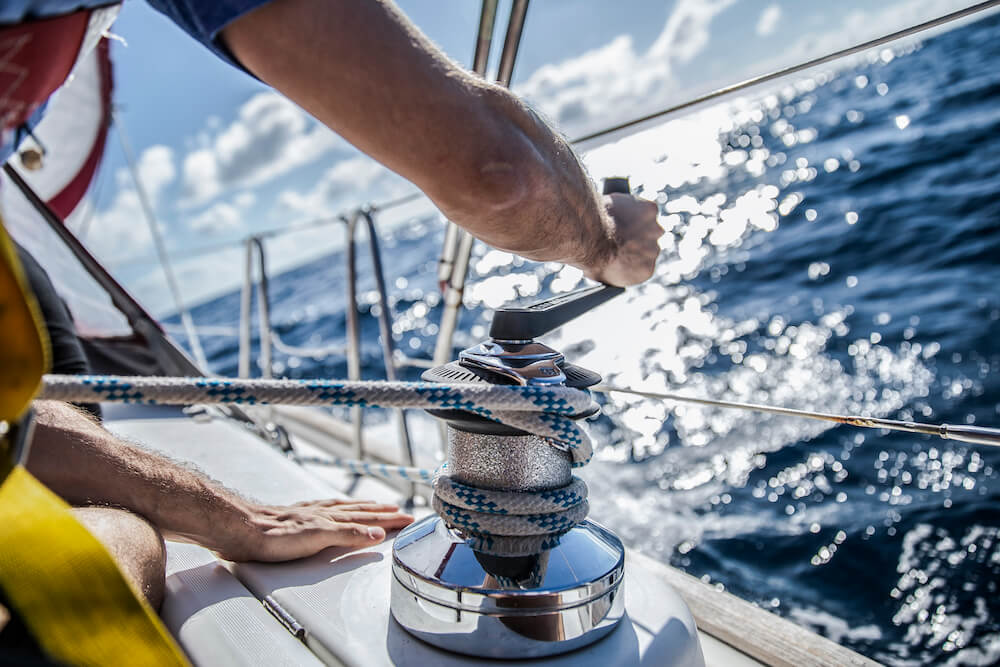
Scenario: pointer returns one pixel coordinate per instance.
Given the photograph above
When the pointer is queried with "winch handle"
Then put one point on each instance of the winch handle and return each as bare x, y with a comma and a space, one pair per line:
539, 318
616, 184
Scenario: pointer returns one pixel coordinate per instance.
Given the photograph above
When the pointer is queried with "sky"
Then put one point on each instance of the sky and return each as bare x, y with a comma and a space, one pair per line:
222, 156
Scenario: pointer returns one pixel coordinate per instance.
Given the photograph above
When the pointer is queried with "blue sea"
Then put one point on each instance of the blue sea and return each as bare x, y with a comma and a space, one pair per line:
833, 244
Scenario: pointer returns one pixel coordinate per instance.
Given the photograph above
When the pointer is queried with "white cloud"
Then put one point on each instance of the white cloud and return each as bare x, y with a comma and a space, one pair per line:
858, 26
607, 83
686, 33
221, 216
768, 20
269, 137
224, 216
592, 85
245, 199
156, 170
348, 183
121, 229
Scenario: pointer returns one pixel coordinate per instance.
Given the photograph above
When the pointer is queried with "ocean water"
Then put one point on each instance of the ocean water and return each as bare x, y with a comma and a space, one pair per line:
833, 244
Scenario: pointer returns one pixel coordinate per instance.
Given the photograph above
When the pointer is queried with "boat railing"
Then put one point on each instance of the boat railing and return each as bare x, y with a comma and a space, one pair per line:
269, 339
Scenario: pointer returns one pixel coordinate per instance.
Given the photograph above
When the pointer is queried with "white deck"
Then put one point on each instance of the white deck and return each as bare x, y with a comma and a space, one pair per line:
341, 599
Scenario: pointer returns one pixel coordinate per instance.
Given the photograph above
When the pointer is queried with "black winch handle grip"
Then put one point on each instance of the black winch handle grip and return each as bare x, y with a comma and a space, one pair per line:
542, 317
616, 184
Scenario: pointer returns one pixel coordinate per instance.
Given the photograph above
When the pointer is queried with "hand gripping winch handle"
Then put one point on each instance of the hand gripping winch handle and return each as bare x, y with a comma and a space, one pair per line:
542, 317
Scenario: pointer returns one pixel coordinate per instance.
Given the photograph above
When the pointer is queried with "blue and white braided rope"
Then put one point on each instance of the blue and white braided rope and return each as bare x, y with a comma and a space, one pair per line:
543, 411
503, 523
510, 523
486, 501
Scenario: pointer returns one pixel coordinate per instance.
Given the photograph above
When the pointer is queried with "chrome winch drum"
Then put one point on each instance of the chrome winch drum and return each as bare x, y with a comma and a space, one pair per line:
561, 596
449, 595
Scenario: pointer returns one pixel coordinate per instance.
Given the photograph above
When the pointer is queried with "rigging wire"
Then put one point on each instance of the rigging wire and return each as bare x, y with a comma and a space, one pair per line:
83, 228
158, 243
979, 435
794, 69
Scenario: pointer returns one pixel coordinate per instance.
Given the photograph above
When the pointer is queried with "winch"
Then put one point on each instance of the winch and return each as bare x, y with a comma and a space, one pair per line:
458, 587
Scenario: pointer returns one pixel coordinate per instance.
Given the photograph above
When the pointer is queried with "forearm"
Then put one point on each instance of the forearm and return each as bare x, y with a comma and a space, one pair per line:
85, 464
486, 161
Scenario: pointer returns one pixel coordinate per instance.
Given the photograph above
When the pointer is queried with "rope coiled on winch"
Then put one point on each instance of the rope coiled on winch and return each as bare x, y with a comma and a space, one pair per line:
498, 521
510, 522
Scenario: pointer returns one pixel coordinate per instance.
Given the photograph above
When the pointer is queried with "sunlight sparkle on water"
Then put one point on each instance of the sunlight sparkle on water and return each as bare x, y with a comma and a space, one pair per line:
699, 451
732, 183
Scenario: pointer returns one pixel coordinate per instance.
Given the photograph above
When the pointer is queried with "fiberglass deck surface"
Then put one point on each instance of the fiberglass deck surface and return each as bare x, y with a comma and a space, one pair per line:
339, 597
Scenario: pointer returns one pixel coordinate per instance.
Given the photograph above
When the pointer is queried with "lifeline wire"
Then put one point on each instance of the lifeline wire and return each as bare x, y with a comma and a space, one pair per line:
383, 470
978, 435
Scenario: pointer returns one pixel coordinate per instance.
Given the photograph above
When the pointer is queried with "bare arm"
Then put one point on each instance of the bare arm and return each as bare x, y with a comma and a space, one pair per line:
479, 153
85, 464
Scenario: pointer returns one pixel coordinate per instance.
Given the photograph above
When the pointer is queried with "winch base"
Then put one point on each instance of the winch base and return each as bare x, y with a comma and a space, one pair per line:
456, 598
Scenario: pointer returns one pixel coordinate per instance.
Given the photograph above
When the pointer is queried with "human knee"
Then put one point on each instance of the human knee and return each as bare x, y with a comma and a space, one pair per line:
134, 543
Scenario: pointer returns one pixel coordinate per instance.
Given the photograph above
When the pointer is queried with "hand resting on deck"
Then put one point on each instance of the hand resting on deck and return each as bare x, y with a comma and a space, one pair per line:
88, 466
283, 533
